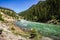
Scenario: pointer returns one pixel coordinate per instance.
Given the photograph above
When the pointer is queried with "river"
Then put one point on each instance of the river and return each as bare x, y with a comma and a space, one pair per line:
44, 29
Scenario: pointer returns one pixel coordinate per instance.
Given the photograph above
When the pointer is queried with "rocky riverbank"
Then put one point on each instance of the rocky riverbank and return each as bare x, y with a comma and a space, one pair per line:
7, 34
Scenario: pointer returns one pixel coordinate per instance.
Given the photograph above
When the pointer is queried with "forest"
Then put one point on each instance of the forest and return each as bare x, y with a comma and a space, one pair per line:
43, 11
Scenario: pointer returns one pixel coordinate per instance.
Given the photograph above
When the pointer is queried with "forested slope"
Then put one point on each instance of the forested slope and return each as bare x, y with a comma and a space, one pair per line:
43, 11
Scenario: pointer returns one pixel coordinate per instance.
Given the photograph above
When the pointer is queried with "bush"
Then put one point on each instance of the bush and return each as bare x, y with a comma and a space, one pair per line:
35, 35
12, 28
1, 19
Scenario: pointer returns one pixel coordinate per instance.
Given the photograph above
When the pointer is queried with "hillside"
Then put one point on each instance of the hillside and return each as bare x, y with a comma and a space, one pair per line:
7, 14
7, 33
8, 29
43, 11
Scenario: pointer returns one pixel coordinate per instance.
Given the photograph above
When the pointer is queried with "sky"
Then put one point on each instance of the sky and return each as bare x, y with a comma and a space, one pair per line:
17, 5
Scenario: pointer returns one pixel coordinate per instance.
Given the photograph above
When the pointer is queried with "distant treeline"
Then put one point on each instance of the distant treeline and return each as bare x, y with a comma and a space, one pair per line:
43, 11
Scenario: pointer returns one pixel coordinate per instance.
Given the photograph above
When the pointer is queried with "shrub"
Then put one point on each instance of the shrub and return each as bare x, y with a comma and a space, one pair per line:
35, 35
12, 28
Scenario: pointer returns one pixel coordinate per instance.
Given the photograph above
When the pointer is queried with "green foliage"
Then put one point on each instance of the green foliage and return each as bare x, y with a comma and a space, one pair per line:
43, 11
35, 34
9, 12
12, 28
1, 18
54, 8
